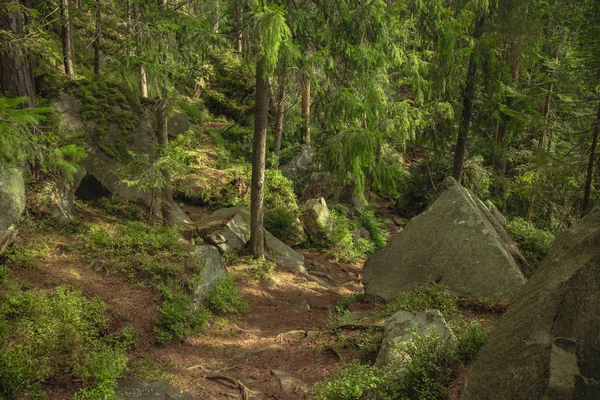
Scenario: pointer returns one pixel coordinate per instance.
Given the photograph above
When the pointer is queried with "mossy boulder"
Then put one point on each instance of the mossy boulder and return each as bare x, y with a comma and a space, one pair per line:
12, 203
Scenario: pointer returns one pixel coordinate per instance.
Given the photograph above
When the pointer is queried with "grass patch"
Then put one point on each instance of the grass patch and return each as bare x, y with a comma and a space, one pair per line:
427, 297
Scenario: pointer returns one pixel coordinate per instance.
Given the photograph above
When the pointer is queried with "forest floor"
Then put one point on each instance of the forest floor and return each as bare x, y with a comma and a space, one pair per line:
278, 349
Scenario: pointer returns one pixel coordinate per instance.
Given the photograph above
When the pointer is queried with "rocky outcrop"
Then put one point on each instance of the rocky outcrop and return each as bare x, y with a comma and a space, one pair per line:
12, 203
315, 217
177, 124
212, 269
229, 230
282, 254
106, 155
399, 330
300, 164
453, 242
547, 344
130, 389
322, 184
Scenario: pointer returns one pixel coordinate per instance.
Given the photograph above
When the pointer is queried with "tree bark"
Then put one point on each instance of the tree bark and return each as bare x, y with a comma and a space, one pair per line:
162, 134
585, 207
67, 38
97, 40
237, 26
257, 194
467, 112
305, 109
15, 74
279, 116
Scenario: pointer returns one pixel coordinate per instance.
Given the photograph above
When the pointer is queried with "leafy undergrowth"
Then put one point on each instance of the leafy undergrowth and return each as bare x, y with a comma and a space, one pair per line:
433, 362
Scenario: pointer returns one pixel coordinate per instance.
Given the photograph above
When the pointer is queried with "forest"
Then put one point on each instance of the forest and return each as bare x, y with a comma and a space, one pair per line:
299, 199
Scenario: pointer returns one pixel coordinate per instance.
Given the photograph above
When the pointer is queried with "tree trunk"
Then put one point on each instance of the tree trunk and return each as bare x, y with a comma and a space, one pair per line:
66, 38
305, 109
15, 74
162, 134
257, 245
97, 40
467, 112
280, 116
237, 27
585, 207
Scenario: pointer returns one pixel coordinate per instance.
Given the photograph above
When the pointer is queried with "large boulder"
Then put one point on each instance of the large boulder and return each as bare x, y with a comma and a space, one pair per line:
54, 199
452, 242
282, 254
547, 345
130, 389
300, 164
178, 123
399, 330
212, 269
227, 228
12, 203
322, 184
315, 217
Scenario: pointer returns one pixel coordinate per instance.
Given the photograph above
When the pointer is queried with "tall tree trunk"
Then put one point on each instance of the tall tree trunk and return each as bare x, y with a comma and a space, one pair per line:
467, 112
305, 109
237, 27
67, 38
585, 207
163, 144
97, 39
137, 33
15, 74
162, 133
280, 115
257, 193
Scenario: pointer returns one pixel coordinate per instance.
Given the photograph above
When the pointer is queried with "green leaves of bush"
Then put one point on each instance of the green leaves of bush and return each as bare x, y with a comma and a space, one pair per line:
47, 335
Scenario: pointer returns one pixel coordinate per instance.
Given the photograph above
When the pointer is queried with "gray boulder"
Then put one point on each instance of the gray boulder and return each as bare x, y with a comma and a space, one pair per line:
178, 123
399, 330
282, 254
55, 199
212, 265
300, 164
452, 242
322, 184
315, 217
130, 389
12, 203
547, 344
227, 228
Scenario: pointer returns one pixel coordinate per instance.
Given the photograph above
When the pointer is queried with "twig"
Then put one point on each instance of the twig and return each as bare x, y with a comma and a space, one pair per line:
223, 380
282, 334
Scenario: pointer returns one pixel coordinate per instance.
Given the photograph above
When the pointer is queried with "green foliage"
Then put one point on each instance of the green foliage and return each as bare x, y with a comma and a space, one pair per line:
469, 339
427, 297
50, 335
125, 208
225, 299
339, 318
348, 383
261, 268
535, 242
178, 317
432, 364
370, 222
23, 140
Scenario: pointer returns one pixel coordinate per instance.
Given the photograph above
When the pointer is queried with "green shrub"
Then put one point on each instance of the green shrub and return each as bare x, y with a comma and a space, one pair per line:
349, 383
339, 318
369, 221
178, 317
470, 338
535, 242
261, 268
47, 336
125, 208
430, 370
427, 297
224, 298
